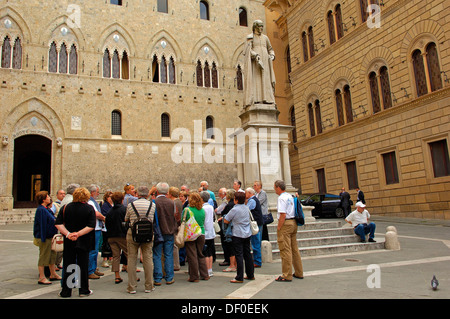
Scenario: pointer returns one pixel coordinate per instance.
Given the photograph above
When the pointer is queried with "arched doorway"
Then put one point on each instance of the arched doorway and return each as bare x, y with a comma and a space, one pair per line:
32, 168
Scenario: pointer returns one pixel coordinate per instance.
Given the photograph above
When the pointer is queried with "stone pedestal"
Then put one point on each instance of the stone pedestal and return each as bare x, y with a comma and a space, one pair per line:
307, 211
262, 149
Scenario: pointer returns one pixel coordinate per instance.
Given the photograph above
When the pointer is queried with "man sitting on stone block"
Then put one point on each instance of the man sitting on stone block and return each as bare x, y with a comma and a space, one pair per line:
359, 219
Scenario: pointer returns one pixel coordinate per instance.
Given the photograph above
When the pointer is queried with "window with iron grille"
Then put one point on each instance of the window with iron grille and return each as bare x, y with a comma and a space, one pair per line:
165, 125
116, 123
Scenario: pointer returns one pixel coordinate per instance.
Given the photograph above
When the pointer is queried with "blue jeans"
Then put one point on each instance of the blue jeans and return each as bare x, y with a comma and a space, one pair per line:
93, 254
256, 246
363, 229
167, 247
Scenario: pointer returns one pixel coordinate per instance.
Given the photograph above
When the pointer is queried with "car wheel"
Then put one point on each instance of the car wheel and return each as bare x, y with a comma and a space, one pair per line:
339, 212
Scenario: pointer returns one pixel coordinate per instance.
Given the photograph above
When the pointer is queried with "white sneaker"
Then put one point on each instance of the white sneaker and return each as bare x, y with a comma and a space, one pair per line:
132, 292
149, 290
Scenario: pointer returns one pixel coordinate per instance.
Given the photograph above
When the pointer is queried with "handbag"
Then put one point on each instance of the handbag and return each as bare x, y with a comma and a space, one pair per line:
216, 225
268, 219
58, 243
179, 237
58, 239
253, 224
192, 229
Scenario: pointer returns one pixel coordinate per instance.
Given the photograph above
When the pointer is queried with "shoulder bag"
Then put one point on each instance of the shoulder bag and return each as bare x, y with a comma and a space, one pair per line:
253, 224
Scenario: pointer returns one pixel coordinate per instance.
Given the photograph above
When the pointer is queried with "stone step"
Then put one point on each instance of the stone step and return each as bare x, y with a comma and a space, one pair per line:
17, 216
319, 238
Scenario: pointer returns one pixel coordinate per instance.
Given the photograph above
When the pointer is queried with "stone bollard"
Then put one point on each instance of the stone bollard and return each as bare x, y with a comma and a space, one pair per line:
266, 251
391, 241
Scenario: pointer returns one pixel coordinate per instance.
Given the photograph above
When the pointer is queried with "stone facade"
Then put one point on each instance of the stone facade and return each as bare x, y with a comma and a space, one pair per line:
74, 111
389, 148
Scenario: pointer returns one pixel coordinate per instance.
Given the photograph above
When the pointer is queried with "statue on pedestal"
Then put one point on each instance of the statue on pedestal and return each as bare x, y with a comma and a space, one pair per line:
259, 75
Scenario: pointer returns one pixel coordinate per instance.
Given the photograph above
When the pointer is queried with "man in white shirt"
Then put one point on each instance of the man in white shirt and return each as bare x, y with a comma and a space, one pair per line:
359, 219
287, 235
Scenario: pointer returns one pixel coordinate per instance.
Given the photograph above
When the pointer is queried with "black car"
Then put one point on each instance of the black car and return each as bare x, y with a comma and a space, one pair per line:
325, 205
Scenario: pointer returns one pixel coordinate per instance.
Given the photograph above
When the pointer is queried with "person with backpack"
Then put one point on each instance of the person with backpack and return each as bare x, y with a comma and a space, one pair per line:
140, 217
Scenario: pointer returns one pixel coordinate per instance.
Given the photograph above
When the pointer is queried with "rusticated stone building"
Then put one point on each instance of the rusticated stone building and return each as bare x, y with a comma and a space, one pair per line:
92, 91
371, 90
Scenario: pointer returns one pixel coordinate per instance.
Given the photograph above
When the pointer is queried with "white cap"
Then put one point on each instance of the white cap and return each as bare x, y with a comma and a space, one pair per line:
360, 204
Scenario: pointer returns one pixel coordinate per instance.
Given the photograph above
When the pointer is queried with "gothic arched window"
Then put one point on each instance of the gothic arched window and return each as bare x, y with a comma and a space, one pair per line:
6, 53
106, 64
17, 54
73, 60
53, 59
63, 59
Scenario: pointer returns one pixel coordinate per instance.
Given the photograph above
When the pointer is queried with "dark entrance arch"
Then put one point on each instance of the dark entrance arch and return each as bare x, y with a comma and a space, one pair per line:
32, 169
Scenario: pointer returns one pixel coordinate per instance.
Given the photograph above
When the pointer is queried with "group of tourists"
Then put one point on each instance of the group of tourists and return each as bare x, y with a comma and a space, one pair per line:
90, 227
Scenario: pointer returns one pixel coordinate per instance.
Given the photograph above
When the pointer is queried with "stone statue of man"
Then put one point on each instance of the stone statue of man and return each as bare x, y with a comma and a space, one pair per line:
259, 77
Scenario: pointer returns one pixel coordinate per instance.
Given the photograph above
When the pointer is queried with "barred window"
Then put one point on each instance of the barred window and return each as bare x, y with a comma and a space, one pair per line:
116, 123
165, 125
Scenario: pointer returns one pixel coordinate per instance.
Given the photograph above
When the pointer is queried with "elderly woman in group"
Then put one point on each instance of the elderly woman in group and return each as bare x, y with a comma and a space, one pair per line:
194, 249
43, 231
240, 216
77, 223
116, 232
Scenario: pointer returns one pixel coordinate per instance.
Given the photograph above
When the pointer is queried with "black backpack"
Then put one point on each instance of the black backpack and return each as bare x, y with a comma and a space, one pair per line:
142, 228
